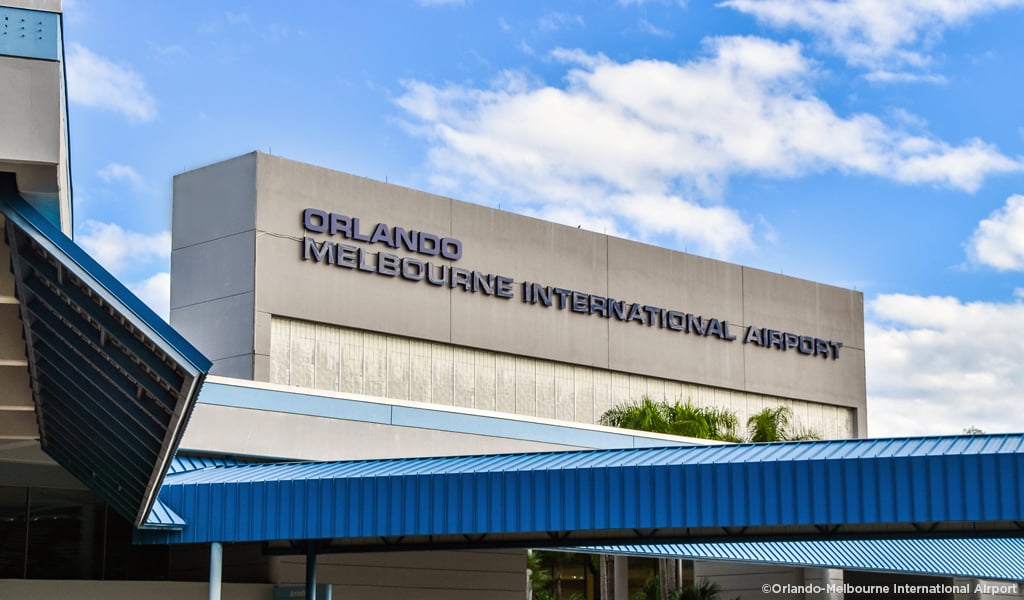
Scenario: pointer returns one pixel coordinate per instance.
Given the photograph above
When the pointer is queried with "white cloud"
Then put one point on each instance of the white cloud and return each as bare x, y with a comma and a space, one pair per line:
115, 172
97, 82
646, 26
239, 18
904, 77
117, 249
885, 36
170, 51
557, 21
998, 241
628, 3
936, 365
652, 143
155, 291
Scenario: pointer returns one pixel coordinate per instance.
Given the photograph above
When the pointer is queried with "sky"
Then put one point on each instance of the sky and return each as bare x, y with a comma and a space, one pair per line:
871, 144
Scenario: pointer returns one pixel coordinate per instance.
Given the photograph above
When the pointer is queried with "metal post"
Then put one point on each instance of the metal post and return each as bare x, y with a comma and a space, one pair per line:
310, 569
216, 568
620, 578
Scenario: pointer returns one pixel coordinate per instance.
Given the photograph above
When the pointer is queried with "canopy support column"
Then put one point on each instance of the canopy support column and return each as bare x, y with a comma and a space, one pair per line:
620, 578
216, 569
310, 569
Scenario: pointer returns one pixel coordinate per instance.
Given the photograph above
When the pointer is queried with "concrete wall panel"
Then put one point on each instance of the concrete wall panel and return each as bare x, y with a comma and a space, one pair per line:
452, 375
240, 367
486, 378
215, 269
303, 437
328, 358
375, 365
464, 371
399, 362
321, 293
505, 383
526, 386
12, 336
31, 119
6, 277
674, 280
46, 5
214, 202
442, 374
221, 328
501, 243
17, 391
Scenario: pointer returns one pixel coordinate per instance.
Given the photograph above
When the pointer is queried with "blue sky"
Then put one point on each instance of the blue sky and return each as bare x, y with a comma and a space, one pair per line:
878, 146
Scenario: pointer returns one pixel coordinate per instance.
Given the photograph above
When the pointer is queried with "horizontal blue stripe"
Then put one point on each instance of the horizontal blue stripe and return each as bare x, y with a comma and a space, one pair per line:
257, 398
296, 403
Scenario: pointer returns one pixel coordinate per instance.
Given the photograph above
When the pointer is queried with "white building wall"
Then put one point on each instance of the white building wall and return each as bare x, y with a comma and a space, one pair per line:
341, 359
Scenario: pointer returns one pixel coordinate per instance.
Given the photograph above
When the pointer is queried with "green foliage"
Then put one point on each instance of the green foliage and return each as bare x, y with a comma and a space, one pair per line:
645, 416
548, 595
772, 425
541, 565
675, 419
540, 577
769, 425
709, 423
707, 590
650, 591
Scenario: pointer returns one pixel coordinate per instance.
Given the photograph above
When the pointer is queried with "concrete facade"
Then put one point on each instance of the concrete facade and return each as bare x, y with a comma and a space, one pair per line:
240, 287
239, 417
33, 147
340, 359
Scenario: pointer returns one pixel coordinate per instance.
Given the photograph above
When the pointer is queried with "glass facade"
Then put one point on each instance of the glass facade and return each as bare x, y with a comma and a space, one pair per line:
48, 533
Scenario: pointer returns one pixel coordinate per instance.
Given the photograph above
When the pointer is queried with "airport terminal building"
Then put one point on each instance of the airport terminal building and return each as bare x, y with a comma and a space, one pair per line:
389, 392
297, 275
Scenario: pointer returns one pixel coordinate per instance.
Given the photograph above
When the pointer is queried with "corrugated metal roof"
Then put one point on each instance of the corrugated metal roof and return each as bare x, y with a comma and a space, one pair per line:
809, 489
987, 558
190, 462
735, 454
162, 517
113, 384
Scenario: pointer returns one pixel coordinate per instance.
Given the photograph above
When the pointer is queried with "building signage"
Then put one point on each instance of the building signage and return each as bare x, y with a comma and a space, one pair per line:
430, 262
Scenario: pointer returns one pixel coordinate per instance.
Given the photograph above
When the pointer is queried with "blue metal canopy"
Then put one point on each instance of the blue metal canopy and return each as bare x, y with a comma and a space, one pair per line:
988, 558
113, 384
915, 487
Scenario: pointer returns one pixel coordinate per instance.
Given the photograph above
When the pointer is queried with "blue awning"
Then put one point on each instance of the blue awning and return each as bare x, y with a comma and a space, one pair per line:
914, 487
113, 384
986, 558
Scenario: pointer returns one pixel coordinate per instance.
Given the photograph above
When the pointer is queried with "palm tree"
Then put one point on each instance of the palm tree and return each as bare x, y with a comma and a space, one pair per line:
707, 590
648, 415
677, 419
772, 425
709, 423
